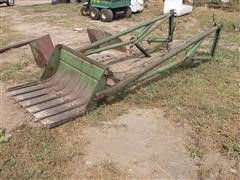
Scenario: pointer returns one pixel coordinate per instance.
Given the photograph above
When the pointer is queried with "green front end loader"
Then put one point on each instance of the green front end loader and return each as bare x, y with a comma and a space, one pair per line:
106, 10
77, 81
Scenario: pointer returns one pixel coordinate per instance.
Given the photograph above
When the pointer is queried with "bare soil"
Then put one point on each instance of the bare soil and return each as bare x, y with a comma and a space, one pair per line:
144, 144
11, 117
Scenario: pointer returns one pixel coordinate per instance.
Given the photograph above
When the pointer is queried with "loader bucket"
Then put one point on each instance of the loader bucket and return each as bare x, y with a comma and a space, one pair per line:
66, 89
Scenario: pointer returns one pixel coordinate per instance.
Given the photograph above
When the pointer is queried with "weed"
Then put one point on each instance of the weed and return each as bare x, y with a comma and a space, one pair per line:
8, 71
7, 32
194, 152
105, 170
35, 153
237, 151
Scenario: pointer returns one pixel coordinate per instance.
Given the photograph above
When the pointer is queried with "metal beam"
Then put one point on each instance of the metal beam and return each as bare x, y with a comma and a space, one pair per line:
18, 44
110, 38
134, 77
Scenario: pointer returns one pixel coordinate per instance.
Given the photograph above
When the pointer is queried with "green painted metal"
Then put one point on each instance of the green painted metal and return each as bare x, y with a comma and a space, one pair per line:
172, 65
112, 46
142, 50
110, 4
152, 68
90, 73
81, 65
215, 42
66, 89
176, 63
202, 58
157, 40
146, 31
152, 28
73, 84
188, 55
162, 69
193, 49
171, 28
53, 64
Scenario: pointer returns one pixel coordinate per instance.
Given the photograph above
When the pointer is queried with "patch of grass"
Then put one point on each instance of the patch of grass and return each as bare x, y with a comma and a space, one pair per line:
105, 112
7, 32
205, 97
105, 170
38, 153
237, 151
21, 72
203, 173
34, 156
194, 152
8, 71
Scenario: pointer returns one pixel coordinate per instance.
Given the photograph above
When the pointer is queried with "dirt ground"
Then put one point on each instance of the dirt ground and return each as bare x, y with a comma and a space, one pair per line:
10, 118
144, 144
140, 144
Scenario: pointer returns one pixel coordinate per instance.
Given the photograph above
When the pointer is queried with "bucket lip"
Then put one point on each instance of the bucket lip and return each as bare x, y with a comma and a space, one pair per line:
81, 55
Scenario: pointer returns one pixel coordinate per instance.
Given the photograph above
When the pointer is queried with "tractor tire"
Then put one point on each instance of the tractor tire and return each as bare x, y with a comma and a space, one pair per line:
10, 2
106, 15
94, 13
85, 11
128, 12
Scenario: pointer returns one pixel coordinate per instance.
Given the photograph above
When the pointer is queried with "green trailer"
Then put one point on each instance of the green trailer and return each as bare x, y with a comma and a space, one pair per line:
106, 10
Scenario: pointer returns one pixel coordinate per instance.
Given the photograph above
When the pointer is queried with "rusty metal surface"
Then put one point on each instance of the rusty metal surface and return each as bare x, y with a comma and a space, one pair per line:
42, 49
18, 44
55, 100
65, 94
108, 56
95, 35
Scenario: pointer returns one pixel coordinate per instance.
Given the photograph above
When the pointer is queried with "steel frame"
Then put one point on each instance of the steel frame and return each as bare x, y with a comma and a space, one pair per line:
145, 28
152, 68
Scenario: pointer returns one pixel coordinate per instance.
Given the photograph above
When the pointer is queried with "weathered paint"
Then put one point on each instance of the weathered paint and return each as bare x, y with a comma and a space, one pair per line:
66, 89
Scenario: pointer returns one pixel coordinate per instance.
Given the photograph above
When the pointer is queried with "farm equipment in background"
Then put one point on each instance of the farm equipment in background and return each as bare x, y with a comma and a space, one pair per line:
77, 81
106, 10
8, 2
